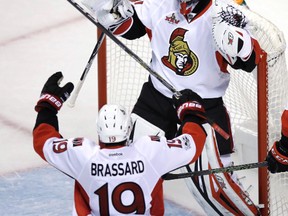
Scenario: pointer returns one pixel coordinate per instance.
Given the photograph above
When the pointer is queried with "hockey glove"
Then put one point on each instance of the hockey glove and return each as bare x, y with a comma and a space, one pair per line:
110, 12
232, 42
189, 104
52, 95
277, 157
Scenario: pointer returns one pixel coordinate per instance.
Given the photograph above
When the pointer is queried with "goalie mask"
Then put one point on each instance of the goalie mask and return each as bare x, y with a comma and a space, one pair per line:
114, 124
186, 6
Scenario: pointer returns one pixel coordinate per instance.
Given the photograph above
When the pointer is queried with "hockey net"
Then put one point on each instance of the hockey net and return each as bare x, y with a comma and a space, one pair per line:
255, 100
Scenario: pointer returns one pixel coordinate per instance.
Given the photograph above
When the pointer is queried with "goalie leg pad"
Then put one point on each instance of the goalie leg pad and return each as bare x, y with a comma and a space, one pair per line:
218, 194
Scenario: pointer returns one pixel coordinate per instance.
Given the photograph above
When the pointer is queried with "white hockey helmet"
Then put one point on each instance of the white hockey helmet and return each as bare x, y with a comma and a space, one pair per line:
114, 124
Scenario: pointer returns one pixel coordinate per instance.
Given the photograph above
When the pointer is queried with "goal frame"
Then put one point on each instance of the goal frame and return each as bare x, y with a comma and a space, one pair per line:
102, 72
263, 141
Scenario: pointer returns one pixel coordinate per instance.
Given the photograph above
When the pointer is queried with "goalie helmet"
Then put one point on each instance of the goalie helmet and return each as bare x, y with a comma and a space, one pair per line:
114, 124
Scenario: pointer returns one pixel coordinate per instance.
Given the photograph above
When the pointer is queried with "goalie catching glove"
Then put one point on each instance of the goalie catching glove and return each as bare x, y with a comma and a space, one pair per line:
110, 13
52, 95
277, 157
232, 42
189, 106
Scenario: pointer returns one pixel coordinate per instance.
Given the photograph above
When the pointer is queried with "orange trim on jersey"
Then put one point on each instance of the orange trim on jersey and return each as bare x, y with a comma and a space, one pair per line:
199, 136
149, 33
284, 122
221, 63
137, 1
123, 27
81, 200
40, 135
157, 203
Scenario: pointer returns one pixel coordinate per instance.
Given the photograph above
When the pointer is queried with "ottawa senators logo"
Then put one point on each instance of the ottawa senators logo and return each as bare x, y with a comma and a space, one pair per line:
180, 58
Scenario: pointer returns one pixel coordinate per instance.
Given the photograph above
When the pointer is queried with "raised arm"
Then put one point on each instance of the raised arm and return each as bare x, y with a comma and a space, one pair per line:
51, 100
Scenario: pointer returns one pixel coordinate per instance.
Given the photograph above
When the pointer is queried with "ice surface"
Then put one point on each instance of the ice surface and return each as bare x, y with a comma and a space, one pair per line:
37, 39
47, 192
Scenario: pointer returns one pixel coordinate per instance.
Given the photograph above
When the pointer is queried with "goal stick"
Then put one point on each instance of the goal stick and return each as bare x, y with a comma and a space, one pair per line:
173, 176
71, 102
176, 93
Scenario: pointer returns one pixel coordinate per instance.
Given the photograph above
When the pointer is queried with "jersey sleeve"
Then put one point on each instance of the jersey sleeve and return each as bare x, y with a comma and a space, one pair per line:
67, 155
46, 126
167, 155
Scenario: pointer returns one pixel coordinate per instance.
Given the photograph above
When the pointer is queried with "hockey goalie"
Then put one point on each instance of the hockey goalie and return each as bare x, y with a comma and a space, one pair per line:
193, 42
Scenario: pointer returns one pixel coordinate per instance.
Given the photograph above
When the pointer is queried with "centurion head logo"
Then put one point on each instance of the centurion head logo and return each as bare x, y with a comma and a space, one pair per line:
180, 58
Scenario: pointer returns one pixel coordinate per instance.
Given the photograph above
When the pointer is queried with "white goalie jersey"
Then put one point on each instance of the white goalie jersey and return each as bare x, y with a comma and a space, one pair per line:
188, 51
178, 54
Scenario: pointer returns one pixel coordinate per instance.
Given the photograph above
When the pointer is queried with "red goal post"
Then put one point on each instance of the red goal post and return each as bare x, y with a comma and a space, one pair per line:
255, 100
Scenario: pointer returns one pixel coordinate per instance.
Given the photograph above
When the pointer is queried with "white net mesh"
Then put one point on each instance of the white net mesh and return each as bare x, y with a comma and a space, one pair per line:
241, 100
124, 75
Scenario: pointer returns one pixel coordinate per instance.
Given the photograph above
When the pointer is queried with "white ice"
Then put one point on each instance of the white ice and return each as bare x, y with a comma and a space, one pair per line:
37, 39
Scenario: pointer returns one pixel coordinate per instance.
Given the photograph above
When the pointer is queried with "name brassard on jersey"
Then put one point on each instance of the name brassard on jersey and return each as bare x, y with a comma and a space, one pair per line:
117, 169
